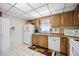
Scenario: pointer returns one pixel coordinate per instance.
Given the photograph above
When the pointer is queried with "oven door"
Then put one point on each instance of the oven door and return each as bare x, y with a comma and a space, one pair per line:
74, 48
75, 52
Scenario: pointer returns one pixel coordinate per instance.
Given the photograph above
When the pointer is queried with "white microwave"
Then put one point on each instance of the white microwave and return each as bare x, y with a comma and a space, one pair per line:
76, 33
72, 32
69, 32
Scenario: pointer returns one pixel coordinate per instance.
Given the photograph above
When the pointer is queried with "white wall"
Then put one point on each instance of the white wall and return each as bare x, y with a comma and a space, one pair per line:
16, 36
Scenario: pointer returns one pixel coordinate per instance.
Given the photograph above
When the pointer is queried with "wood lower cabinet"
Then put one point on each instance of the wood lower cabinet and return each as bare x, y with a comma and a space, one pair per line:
40, 40
64, 45
35, 39
43, 41
68, 47
53, 43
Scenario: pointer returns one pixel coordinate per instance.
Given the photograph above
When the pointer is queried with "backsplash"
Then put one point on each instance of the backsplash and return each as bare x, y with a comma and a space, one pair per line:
55, 30
72, 32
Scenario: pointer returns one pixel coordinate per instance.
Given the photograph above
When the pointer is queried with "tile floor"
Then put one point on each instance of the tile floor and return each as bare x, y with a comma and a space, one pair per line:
59, 54
22, 51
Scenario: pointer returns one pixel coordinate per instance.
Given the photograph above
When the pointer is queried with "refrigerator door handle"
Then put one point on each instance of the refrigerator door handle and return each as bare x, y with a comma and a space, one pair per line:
1, 35
27, 28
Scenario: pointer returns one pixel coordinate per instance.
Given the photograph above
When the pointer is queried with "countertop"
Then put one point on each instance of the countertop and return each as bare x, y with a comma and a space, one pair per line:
47, 34
55, 35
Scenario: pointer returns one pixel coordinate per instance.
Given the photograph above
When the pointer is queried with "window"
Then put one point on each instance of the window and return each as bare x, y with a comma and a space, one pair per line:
45, 25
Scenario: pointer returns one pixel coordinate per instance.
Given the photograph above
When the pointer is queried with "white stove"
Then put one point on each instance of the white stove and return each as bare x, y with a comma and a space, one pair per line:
74, 47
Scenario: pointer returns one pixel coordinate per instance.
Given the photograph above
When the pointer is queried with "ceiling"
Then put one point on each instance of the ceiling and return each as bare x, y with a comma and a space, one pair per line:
30, 11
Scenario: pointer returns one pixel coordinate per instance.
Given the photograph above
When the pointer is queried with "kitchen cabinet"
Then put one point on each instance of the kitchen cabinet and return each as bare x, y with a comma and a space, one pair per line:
56, 20
36, 22
68, 47
43, 41
76, 15
54, 43
63, 45
67, 18
35, 39
40, 40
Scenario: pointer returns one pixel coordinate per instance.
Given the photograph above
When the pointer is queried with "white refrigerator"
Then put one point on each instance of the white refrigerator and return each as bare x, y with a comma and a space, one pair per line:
4, 35
28, 31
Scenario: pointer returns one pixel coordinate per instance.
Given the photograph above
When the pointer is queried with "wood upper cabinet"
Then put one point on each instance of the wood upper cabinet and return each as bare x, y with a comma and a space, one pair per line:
36, 22
40, 40
56, 20
67, 18
76, 15
61, 19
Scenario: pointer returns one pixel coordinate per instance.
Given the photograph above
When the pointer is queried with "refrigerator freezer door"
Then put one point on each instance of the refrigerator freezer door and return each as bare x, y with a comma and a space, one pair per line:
4, 35
26, 28
0, 38
29, 28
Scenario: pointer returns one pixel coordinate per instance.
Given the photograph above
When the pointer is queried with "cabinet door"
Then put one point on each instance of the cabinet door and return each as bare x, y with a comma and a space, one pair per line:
68, 47
43, 41
68, 19
37, 22
56, 20
35, 39
63, 45
76, 16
